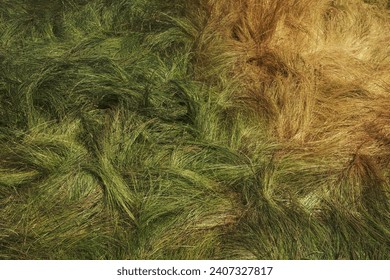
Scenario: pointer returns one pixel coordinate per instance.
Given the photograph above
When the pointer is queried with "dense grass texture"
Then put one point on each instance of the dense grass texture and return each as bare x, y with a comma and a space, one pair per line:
207, 129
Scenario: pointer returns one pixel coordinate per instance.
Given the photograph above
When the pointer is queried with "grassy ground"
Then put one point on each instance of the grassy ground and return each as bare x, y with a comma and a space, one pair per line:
208, 129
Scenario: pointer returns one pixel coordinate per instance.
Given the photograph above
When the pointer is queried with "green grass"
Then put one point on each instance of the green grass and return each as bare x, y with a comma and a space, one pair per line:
126, 133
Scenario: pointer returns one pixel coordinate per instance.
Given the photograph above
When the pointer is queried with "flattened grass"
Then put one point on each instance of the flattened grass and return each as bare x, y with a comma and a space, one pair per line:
174, 130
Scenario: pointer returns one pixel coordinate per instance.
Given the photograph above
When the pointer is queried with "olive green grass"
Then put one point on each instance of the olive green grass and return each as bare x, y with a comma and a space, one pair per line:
123, 135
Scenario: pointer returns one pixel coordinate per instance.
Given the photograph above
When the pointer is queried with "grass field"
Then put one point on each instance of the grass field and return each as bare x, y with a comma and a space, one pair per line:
205, 129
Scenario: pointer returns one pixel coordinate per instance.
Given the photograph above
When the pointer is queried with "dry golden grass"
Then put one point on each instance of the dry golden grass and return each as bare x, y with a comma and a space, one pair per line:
318, 73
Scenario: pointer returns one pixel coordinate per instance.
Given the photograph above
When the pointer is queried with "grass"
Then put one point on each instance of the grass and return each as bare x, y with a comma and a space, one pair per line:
203, 130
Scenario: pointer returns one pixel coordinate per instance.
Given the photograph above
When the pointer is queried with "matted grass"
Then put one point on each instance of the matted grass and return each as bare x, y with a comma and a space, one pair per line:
203, 130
